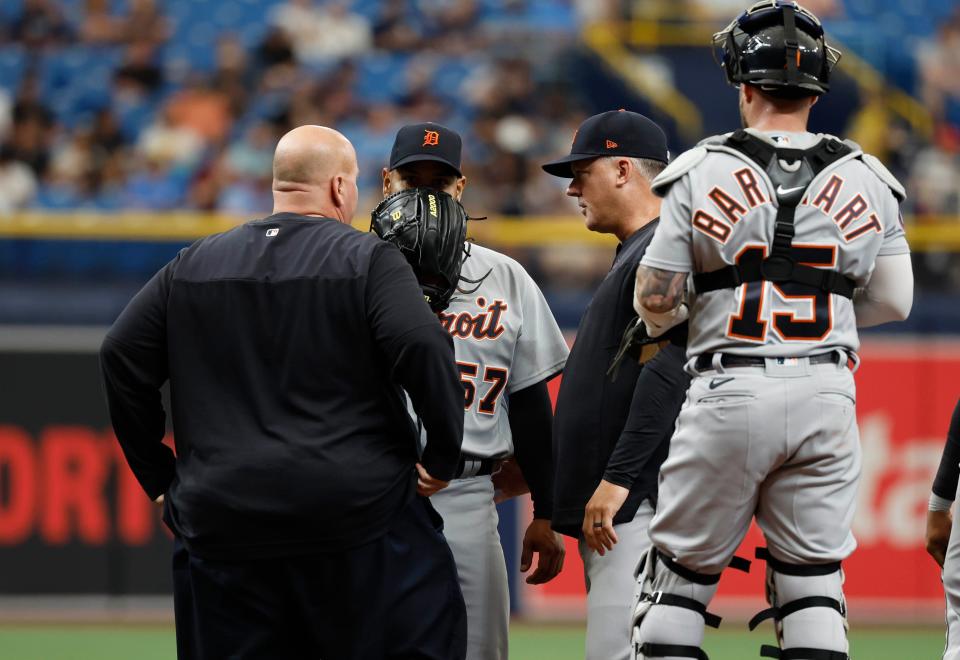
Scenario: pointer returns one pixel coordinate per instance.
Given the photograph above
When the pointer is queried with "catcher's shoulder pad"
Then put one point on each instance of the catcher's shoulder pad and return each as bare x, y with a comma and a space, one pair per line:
677, 169
885, 175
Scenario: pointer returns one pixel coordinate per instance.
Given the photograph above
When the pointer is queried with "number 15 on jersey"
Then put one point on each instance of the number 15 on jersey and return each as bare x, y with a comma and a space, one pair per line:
749, 324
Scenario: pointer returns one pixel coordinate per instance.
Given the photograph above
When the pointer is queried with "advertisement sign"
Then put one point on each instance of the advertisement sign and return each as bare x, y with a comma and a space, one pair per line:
73, 520
906, 393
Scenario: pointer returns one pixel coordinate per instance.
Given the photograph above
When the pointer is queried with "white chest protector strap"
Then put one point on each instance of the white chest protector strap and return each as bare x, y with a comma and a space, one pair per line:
791, 171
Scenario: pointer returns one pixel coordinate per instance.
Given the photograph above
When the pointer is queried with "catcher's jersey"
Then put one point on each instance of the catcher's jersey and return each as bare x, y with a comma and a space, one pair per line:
506, 339
722, 211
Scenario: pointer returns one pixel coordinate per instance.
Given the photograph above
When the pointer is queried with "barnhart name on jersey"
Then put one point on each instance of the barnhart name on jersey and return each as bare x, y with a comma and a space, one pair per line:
853, 219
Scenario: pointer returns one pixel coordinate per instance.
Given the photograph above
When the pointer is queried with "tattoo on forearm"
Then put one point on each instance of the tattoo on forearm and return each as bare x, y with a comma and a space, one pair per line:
659, 290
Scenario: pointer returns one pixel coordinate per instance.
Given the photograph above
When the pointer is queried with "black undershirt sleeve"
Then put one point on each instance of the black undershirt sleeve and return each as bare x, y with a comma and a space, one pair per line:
945, 483
531, 424
657, 397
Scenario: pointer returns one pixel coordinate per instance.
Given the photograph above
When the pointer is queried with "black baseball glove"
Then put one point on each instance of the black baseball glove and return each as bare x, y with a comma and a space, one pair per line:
641, 347
429, 227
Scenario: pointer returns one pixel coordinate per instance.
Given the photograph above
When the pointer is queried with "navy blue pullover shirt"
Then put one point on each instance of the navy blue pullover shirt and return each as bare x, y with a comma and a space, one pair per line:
286, 342
614, 429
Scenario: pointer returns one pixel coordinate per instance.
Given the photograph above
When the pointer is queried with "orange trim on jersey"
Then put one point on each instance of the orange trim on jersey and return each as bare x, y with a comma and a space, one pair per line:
710, 226
499, 387
743, 301
469, 369
791, 317
730, 207
463, 325
484, 325
494, 328
818, 246
827, 196
874, 223
747, 180
739, 316
468, 373
853, 209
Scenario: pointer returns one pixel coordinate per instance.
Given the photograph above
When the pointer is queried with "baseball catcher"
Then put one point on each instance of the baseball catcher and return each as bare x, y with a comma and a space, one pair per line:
793, 240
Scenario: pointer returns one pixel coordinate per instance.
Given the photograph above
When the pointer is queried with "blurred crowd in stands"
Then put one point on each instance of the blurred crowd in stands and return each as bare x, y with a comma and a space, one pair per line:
151, 105
166, 132
936, 169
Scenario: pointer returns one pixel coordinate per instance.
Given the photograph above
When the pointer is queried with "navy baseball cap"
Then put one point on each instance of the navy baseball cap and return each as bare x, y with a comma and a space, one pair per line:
613, 133
426, 141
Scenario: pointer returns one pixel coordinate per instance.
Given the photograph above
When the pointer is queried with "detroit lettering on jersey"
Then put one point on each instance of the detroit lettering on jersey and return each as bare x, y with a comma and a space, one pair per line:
485, 325
723, 210
505, 339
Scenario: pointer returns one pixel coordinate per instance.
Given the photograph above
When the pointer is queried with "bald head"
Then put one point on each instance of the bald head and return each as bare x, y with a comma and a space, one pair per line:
315, 173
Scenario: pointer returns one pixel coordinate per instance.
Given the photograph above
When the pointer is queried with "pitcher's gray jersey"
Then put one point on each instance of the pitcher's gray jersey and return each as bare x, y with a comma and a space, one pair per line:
722, 210
506, 339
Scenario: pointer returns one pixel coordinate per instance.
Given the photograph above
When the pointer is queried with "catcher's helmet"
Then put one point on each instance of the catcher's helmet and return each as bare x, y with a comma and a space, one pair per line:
779, 47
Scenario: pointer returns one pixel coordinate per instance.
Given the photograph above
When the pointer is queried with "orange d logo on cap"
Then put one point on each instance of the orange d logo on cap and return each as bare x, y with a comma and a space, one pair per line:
426, 141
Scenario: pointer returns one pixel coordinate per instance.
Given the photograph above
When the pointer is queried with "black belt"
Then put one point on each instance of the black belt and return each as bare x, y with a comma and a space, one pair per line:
475, 466
705, 361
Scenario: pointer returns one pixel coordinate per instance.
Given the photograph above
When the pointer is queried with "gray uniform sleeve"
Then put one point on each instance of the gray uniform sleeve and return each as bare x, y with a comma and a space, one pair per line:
541, 350
670, 248
894, 237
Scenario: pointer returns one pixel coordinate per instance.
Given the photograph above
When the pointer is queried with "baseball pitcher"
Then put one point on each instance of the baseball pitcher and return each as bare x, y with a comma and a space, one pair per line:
787, 242
507, 345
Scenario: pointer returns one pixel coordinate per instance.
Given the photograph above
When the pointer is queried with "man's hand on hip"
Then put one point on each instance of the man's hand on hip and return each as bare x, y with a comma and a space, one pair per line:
427, 485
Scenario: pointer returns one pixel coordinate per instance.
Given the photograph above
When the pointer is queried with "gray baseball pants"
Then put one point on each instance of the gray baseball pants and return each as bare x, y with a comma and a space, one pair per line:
470, 526
777, 442
611, 587
951, 587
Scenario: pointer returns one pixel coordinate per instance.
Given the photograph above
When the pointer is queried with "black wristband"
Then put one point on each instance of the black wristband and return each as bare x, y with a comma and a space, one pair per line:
945, 483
